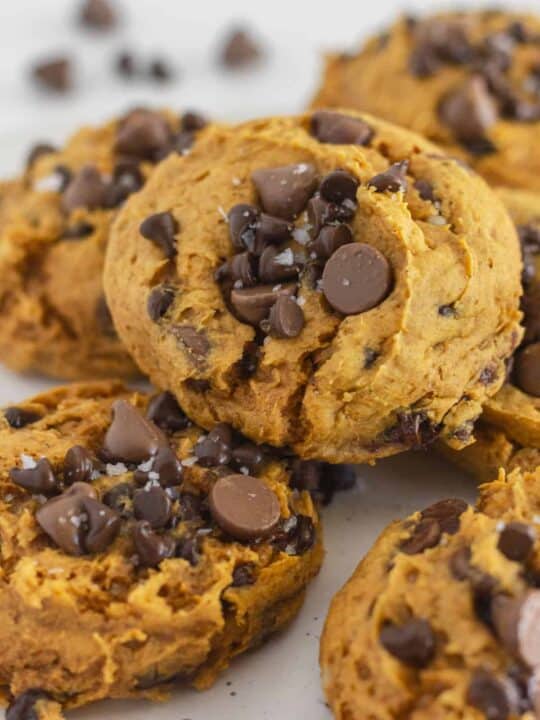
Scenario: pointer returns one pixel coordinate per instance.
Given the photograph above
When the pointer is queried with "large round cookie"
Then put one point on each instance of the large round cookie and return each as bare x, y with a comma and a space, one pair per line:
54, 228
137, 550
468, 81
328, 282
440, 620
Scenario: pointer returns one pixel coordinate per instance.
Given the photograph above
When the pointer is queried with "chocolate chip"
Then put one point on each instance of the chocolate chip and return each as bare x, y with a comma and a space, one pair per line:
447, 311
531, 309
190, 507
252, 305
161, 229
79, 465
39, 479
125, 64
143, 134
23, 706
412, 643
423, 61
488, 695
517, 623
488, 375
370, 357
276, 265
215, 449
244, 507
392, 180
527, 369
193, 121
286, 319
243, 575
426, 534
119, 498
183, 141
159, 301
413, 429
460, 563
338, 186
247, 366
101, 526
330, 238
516, 541
284, 191
482, 583
242, 219
447, 513
127, 179
54, 74
87, 189
64, 175
248, 455
78, 230
188, 548
240, 49
98, 15
240, 268
167, 467
150, 547
338, 129
18, 418
194, 341
160, 70
131, 437
356, 278
152, 505
469, 110
37, 151
166, 413
425, 190
296, 535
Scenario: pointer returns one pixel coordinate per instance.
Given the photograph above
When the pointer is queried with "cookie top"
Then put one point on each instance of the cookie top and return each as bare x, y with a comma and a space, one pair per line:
328, 282
54, 228
139, 547
440, 618
468, 81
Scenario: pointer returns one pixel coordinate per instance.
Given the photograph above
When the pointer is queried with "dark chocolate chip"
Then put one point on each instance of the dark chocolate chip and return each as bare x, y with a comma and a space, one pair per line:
338, 129
276, 266
18, 418
338, 186
150, 547
188, 548
242, 219
87, 189
39, 479
447, 311
296, 535
516, 541
125, 64
370, 357
392, 180
247, 366
161, 229
54, 74
252, 305
131, 437
216, 447
330, 238
244, 507
413, 429
98, 15
469, 111
488, 695
143, 134
240, 49
248, 456
243, 575
23, 706
79, 465
166, 413
190, 507
447, 513
165, 469
159, 301
152, 505
160, 70
462, 569
286, 319
426, 534
127, 179
271, 230
425, 190
517, 624
356, 278
241, 268
37, 151
527, 369
284, 191
78, 230
194, 341
119, 499
412, 643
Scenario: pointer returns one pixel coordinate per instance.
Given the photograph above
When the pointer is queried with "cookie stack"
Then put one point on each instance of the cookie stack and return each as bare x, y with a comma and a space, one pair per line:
303, 292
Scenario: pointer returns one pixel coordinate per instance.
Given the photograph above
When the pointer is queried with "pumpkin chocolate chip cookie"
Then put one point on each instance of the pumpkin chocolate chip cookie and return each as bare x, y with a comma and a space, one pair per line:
54, 228
468, 81
440, 620
328, 282
135, 549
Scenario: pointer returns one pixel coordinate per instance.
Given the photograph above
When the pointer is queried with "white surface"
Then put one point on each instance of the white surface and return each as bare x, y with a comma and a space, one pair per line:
281, 680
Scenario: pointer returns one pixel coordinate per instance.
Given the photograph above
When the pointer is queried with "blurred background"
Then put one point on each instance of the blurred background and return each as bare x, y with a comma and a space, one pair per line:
167, 52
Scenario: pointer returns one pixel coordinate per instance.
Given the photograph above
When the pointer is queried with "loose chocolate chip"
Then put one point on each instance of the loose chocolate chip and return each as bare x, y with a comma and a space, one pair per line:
244, 507
243, 575
131, 437
426, 534
392, 180
240, 268
296, 535
215, 449
284, 191
119, 498
98, 15
338, 186
160, 70
125, 64
159, 301
252, 305
248, 456
338, 129
470, 110
166, 413
23, 706
240, 49
18, 418
330, 238
161, 229
412, 643
143, 134
54, 74
447, 513
286, 318
275, 266
517, 624
87, 189
242, 219
488, 695
356, 278
527, 369
79, 465
152, 505
194, 341
37, 151
425, 190
39, 479
151, 547
516, 541
78, 230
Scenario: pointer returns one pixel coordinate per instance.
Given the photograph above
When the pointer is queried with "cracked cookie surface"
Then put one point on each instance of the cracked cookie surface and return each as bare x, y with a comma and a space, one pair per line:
322, 282
137, 550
